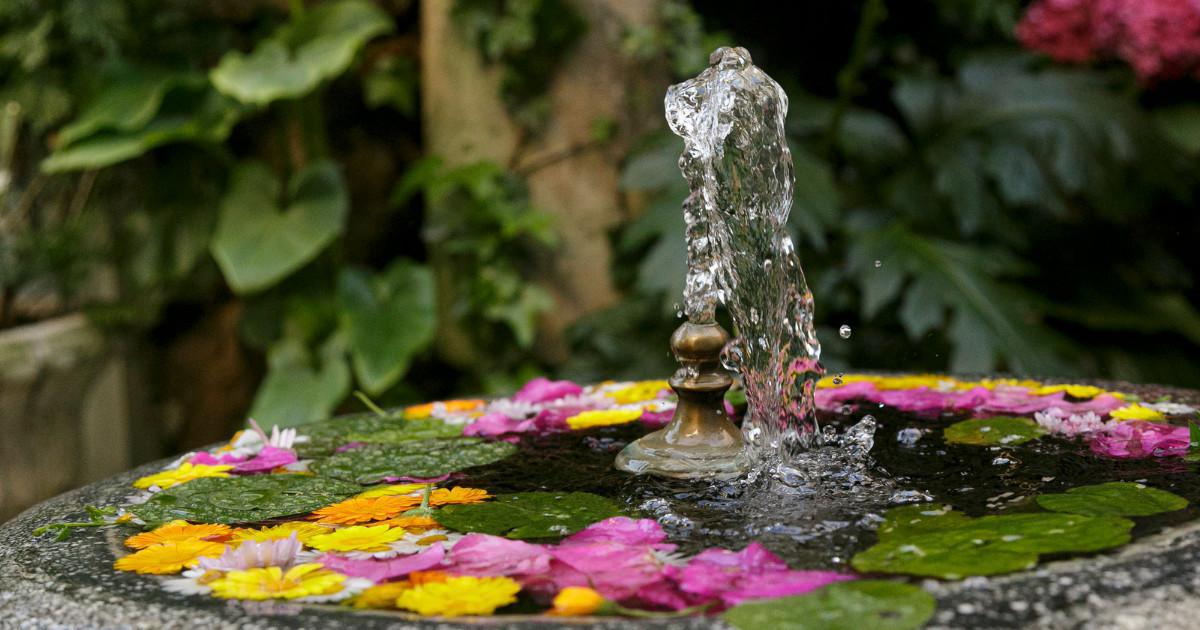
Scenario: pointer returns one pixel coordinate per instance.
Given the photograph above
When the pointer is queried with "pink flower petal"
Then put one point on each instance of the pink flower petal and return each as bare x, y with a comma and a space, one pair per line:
382, 570
484, 555
544, 390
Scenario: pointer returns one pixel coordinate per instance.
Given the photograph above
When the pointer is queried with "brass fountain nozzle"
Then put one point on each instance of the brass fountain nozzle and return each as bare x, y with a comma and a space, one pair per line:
701, 440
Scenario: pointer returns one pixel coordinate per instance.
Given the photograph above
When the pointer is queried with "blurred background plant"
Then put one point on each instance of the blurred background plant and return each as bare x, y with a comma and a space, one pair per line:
266, 201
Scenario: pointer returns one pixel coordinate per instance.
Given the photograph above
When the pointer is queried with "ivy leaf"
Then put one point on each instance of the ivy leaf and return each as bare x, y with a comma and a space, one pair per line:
856, 604
998, 430
387, 319
422, 459
530, 514
1117, 498
257, 244
296, 391
320, 45
243, 499
992, 544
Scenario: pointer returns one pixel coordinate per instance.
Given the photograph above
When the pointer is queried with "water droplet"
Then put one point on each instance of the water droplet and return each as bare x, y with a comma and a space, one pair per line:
837, 380
844, 332
679, 314
878, 264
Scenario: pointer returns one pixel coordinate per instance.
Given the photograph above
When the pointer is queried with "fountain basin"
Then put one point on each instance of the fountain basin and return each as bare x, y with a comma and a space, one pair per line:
72, 584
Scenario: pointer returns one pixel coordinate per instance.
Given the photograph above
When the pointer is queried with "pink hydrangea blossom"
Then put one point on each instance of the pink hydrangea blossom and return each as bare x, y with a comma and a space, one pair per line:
493, 424
544, 390
383, 570
1137, 439
485, 555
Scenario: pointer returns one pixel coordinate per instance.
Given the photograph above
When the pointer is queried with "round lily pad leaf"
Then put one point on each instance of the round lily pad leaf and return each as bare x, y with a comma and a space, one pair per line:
1118, 498
530, 514
992, 544
324, 437
420, 458
997, 431
243, 499
409, 431
862, 604
920, 518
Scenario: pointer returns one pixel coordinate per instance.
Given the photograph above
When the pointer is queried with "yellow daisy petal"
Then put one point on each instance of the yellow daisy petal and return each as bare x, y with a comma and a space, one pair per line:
391, 490
186, 472
459, 596
381, 595
1074, 391
603, 418
302, 580
353, 511
639, 391
178, 531
421, 412
1136, 412
303, 531
171, 557
358, 538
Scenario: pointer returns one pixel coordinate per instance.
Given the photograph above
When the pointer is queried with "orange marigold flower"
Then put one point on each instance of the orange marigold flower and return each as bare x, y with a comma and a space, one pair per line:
412, 524
442, 496
420, 412
178, 531
381, 595
171, 557
576, 601
303, 531
425, 577
353, 511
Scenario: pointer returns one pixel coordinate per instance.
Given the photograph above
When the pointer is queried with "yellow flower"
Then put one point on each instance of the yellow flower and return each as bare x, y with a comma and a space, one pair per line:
358, 538
576, 601
381, 595
993, 383
420, 412
178, 531
302, 580
169, 557
414, 524
183, 474
1135, 412
303, 531
603, 417
638, 392
391, 490
1074, 391
459, 596
353, 511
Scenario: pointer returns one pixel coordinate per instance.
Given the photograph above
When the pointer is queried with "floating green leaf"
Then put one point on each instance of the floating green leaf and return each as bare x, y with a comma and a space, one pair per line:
860, 604
320, 45
998, 430
243, 499
324, 437
257, 243
989, 545
1118, 498
296, 392
919, 519
410, 430
530, 514
422, 458
387, 318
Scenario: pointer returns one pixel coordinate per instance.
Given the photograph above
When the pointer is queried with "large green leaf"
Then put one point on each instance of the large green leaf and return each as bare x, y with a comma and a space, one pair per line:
530, 514
408, 431
387, 319
860, 604
1117, 498
320, 45
998, 430
243, 499
299, 389
423, 459
325, 436
257, 244
128, 102
989, 545
909, 520
187, 116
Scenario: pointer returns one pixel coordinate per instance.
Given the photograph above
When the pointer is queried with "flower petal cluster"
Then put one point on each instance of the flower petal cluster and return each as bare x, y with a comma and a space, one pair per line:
1136, 439
358, 538
458, 596
310, 582
184, 473
178, 531
170, 557
284, 553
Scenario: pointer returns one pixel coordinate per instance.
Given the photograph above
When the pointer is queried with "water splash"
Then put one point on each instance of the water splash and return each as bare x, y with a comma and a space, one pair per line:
737, 162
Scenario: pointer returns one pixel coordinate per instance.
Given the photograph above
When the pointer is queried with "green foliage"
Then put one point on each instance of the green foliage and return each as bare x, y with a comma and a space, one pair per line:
997, 430
423, 459
529, 514
860, 604
942, 543
1117, 498
299, 387
242, 499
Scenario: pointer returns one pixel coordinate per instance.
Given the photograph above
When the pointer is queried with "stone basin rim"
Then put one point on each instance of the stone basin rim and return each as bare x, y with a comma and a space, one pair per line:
47, 584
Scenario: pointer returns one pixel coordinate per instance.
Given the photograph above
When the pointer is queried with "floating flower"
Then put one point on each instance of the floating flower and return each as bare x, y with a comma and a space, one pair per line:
310, 581
193, 582
412, 524
358, 538
183, 474
1059, 422
457, 496
170, 557
495, 423
544, 390
639, 391
303, 532
1074, 391
1136, 439
753, 573
411, 543
458, 596
268, 458
381, 595
427, 410
614, 569
1135, 412
252, 554
391, 490
624, 530
178, 531
603, 417
1171, 408
352, 511
482, 555
382, 570
577, 601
